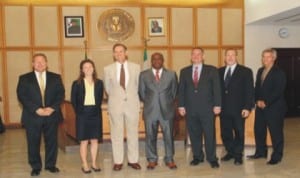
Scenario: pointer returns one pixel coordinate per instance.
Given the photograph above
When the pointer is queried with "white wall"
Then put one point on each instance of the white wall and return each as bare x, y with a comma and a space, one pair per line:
259, 9
259, 37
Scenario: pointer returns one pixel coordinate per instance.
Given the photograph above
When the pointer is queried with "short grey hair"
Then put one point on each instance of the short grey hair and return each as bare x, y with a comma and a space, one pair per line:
270, 50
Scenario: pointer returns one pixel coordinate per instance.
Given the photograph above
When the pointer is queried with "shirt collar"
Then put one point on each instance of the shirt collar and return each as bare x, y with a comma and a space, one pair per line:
232, 67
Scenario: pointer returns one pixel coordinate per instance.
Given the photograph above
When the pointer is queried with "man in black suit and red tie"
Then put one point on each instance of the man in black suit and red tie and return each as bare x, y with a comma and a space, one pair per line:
237, 102
41, 94
270, 108
200, 100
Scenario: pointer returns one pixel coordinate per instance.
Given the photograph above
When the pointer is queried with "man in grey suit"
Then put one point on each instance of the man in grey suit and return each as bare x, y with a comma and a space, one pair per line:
121, 84
157, 89
200, 101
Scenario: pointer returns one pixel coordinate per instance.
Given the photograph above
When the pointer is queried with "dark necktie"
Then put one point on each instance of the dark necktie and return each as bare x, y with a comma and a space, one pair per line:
227, 77
157, 75
122, 77
195, 77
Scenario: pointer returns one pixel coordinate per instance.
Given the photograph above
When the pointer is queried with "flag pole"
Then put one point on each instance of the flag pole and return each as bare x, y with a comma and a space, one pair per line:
145, 58
85, 49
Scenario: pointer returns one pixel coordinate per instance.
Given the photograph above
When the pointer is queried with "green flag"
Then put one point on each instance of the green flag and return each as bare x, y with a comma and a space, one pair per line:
146, 65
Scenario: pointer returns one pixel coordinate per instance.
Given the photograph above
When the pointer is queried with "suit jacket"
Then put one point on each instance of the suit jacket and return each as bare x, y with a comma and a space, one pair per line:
271, 91
29, 95
78, 95
207, 94
239, 94
116, 92
158, 97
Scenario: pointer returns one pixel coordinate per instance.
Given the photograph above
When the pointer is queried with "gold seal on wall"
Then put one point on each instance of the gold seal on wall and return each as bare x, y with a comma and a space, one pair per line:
115, 25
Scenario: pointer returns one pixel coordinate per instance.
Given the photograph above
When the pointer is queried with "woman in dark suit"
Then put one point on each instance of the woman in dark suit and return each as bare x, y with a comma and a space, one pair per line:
86, 98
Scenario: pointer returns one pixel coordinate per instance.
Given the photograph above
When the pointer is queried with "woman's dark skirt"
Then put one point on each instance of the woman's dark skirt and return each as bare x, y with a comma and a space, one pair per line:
89, 123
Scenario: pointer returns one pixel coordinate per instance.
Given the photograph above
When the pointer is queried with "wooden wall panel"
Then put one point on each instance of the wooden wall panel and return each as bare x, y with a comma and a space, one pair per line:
101, 58
181, 59
211, 57
72, 59
17, 25
207, 22
13, 58
45, 26
156, 12
232, 27
1, 85
182, 26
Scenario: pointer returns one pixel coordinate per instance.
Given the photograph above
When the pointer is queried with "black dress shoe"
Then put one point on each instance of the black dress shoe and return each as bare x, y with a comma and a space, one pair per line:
96, 169
86, 171
227, 157
35, 172
214, 164
52, 169
257, 156
273, 162
195, 162
238, 161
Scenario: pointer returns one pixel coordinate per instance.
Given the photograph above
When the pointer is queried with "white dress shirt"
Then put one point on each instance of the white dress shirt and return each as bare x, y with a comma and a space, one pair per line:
37, 75
232, 67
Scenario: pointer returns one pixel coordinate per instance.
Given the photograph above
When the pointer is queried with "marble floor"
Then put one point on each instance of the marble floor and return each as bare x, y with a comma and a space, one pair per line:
13, 161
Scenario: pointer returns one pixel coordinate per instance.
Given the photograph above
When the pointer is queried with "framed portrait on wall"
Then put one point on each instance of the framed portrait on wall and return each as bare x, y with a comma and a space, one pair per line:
74, 26
156, 26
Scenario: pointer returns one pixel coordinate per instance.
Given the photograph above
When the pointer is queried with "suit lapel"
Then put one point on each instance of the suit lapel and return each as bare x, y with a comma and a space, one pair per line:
190, 75
35, 81
235, 73
163, 76
203, 74
268, 76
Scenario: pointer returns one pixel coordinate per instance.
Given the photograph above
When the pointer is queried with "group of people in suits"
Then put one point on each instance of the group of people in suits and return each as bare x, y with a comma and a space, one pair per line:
203, 92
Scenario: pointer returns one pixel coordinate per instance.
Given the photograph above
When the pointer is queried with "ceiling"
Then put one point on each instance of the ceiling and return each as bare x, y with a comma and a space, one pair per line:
288, 18
119, 2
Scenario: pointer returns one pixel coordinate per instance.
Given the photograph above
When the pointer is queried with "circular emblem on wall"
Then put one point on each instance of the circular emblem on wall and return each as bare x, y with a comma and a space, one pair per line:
115, 25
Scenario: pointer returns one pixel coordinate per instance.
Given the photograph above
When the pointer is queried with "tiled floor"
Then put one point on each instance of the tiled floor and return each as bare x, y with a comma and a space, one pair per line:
13, 161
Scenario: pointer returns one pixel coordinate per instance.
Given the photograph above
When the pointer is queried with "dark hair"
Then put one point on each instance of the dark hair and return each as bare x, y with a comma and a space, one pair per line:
159, 54
119, 44
231, 49
199, 48
81, 74
39, 55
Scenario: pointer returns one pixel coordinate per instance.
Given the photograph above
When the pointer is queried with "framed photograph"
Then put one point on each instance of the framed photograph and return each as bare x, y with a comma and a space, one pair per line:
74, 26
156, 26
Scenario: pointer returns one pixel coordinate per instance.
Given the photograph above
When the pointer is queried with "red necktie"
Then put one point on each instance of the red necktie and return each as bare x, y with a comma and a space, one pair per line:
122, 77
157, 75
195, 77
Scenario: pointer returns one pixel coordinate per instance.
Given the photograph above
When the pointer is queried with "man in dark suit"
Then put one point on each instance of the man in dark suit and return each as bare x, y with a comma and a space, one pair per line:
237, 102
270, 108
200, 101
157, 89
41, 94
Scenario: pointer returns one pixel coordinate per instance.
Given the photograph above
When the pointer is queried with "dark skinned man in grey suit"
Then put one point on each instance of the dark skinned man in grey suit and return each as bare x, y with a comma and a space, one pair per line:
157, 89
